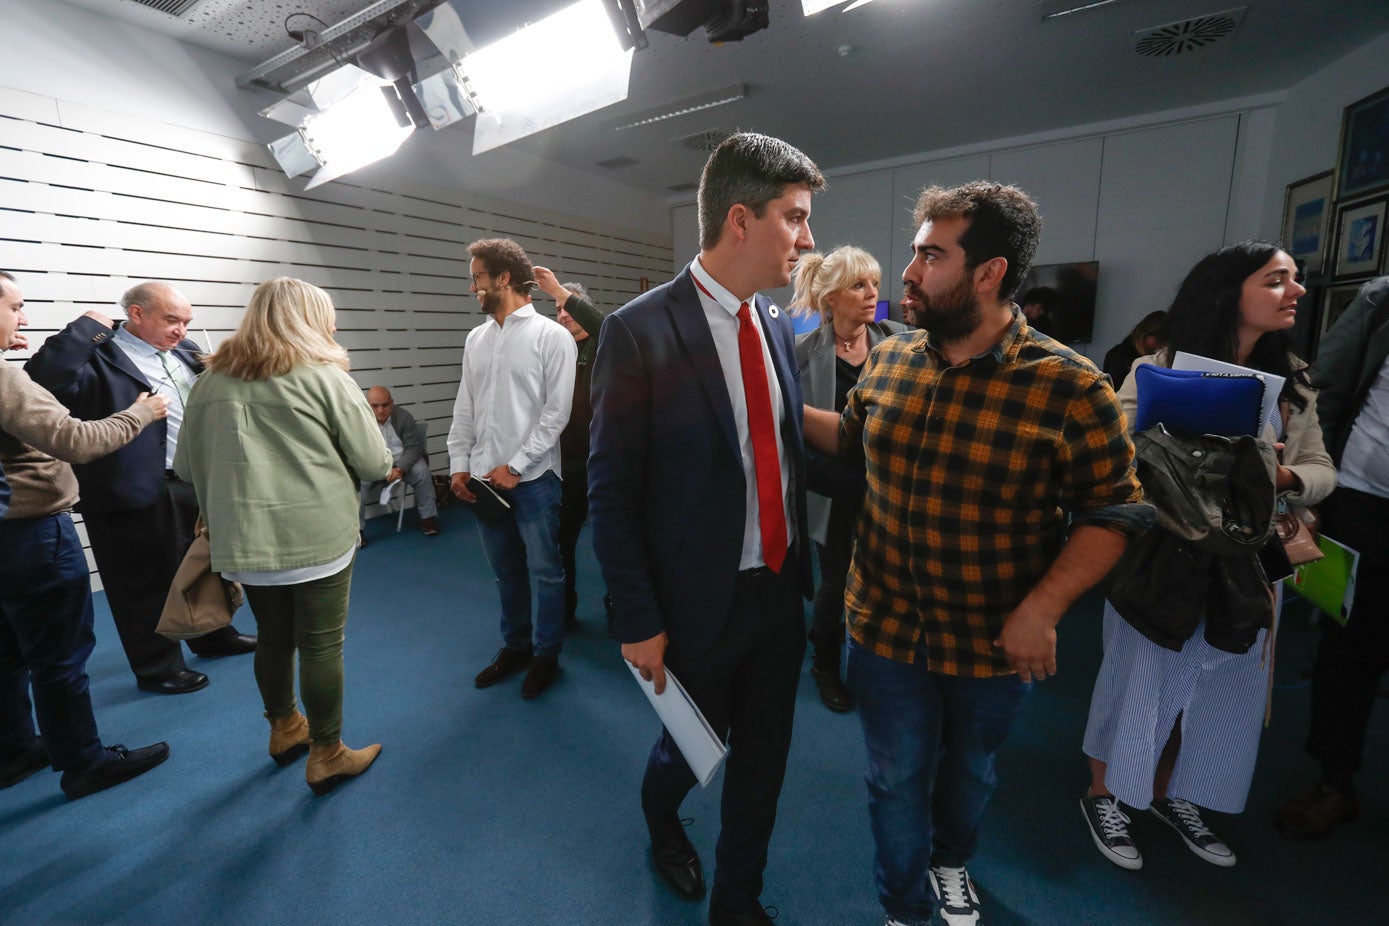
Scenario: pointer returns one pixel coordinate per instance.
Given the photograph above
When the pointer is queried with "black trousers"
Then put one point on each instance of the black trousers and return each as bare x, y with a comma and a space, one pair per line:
573, 512
745, 684
827, 610
1352, 659
137, 553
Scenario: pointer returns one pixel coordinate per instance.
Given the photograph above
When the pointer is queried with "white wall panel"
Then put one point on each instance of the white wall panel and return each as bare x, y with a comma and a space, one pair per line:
92, 203
1064, 180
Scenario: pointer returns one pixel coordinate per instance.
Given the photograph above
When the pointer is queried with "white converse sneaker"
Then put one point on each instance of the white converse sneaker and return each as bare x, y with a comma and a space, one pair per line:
1185, 818
959, 904
1109, 827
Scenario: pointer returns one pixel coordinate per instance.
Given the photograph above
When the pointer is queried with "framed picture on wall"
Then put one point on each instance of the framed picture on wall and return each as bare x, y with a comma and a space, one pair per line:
1306, 218
1359, 239
1363, 163
1334, 305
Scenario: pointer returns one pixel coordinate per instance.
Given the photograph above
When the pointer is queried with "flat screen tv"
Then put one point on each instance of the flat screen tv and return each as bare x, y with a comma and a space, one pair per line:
1064, 297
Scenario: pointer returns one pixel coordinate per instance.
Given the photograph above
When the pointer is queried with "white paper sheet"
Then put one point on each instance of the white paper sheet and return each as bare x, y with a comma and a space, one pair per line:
1273, 385
698, 743
387, 492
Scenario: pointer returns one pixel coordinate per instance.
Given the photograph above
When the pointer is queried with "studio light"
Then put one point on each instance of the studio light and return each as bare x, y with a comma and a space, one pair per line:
811, 7
344, 121
516, 98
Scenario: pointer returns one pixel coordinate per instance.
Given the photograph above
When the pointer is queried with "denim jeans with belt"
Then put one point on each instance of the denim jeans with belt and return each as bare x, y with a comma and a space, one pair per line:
526, 545
45, 639
931, 742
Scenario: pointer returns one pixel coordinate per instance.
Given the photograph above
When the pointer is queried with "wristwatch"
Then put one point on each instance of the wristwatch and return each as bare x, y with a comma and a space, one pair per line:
513, 470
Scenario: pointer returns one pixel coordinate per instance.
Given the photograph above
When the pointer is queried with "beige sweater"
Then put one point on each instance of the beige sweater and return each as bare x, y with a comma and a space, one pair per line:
35, 428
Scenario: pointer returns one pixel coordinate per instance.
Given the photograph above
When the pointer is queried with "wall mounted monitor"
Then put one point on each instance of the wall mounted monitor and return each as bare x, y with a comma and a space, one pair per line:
1067, 291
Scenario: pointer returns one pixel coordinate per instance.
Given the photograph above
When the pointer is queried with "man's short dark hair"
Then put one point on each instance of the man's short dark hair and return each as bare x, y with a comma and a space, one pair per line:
1003, 222
9, 276
1043, 296
502, 255
753, 170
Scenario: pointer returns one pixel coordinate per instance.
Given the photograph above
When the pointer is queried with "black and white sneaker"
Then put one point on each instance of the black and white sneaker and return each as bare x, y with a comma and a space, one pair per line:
1185, 818
959, 904
1109, 827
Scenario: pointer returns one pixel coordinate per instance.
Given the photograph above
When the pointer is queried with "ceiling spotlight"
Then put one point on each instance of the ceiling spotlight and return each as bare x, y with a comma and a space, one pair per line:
344, 121
515, 99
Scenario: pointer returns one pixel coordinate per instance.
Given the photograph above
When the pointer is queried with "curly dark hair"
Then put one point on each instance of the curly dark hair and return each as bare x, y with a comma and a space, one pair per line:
1204, 318
502, 255
1003, 222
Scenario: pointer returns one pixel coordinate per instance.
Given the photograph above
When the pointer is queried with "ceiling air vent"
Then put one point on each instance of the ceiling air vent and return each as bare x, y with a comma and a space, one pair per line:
172, 7
620, 161
703, 141
1188, 35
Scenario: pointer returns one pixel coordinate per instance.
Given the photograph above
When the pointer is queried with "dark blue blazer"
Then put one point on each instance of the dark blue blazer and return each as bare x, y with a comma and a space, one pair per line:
93, 377
666, 487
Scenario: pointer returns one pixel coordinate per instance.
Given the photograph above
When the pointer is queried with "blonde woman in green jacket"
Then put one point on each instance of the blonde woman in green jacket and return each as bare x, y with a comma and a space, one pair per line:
276, 438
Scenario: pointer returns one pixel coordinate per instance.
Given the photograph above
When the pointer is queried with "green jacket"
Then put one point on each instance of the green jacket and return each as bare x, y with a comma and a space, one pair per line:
276, 464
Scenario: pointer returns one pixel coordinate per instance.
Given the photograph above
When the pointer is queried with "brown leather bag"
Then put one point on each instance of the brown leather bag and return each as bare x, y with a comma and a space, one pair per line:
1299, 543
199, 601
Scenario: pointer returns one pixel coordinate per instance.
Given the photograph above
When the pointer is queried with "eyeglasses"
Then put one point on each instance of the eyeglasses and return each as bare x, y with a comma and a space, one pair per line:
480, 273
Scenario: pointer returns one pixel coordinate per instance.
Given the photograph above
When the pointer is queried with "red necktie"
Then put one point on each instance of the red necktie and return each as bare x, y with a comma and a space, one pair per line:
762, 428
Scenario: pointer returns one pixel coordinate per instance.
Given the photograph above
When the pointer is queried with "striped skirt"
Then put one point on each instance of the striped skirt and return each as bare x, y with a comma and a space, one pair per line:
1141, 690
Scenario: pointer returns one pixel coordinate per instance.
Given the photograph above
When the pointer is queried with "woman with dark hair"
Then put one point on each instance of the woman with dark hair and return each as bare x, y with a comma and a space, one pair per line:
1147, 337
1178, 731
841, 288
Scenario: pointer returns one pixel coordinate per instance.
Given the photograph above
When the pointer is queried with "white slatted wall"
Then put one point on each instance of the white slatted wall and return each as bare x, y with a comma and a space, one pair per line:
92, 203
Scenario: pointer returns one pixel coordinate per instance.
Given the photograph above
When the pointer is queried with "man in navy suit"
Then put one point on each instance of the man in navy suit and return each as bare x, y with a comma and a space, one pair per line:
697, 500
139, 516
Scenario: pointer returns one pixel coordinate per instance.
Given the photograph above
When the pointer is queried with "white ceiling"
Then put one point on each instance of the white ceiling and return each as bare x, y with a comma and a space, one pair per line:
892, 78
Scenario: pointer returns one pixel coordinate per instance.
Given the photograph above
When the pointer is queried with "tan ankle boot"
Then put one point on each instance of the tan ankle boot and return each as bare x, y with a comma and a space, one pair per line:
289, 737
328, 766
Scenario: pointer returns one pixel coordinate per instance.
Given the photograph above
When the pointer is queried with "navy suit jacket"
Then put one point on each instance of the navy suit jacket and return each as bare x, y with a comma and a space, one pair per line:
90, 374
667, 493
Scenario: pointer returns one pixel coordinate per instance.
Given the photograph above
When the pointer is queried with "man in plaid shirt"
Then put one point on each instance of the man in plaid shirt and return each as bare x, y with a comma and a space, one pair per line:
980, 435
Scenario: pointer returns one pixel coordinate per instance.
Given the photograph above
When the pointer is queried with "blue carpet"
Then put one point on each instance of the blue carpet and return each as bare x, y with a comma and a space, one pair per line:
486, 809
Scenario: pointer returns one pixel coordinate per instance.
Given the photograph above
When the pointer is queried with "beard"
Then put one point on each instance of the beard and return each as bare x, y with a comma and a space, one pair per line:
491, 301
953, 315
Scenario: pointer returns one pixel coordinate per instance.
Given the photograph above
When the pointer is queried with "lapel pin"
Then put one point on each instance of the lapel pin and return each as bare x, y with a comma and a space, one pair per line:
773, 311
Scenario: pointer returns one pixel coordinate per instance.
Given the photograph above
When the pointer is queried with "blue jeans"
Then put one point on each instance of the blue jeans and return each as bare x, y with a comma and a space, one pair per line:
931, 743
45, 639
526, 545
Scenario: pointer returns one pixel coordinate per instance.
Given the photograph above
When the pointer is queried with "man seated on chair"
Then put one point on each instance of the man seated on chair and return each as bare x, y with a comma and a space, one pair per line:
405, 438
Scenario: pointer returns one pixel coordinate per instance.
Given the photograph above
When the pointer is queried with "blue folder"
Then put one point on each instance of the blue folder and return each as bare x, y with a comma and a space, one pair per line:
1192, 402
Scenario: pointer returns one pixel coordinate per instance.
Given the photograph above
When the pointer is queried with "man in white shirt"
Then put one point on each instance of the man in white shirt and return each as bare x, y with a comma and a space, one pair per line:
513, 403
139, 516
1352, 372
409, 458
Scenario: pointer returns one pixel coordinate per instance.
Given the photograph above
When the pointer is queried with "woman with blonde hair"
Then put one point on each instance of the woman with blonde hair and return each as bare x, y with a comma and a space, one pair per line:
842, 288
276, 438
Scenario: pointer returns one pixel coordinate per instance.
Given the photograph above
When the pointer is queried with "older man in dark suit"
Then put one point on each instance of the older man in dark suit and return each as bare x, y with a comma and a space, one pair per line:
139, 515
697, 498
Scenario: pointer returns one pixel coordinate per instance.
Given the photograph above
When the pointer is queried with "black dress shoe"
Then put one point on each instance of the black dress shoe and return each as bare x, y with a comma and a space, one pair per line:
181, 682
16, 769
675, 858
507, 662
718, 916
540, 677
833, 694
225, 642
117, 764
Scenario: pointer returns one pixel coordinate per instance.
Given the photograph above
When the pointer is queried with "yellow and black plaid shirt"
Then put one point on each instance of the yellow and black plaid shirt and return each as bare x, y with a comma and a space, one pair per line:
971, 471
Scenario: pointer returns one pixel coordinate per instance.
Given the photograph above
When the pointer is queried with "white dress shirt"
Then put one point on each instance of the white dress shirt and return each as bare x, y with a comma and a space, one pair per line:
146, 358
1365, 461
393, 442
721, 311
514, 397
